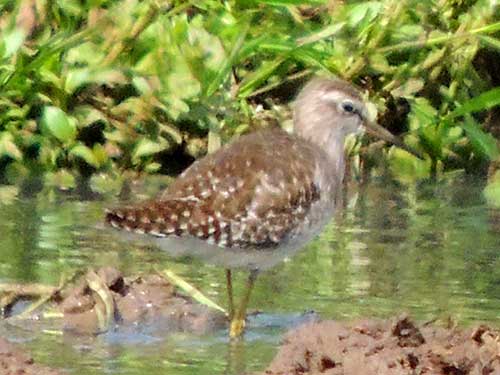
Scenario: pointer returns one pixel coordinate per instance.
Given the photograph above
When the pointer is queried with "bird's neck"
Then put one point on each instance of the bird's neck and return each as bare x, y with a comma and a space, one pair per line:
331, 143
336, 154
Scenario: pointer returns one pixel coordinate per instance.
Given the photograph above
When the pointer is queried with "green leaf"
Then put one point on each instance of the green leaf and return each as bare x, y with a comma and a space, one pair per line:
364, 11
12, 41
76, 78
327, 32
256, 78
85, 153
484, 143
190, 290
407, 167
152, 167
81, 76
56, 121
490, 42
225, 68
422, 114
147, 147
8, 147
484, 101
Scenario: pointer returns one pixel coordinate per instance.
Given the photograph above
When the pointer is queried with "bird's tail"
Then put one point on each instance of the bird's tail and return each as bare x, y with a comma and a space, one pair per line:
161, 219
157, 220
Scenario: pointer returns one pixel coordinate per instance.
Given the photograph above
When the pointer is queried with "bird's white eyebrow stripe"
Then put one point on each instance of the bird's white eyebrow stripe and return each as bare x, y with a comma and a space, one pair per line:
336, 96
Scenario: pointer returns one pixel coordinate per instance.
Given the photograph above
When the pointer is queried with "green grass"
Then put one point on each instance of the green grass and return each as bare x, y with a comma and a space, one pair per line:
90, 87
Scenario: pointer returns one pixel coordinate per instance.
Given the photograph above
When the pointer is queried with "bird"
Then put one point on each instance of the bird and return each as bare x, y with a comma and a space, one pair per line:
260, 198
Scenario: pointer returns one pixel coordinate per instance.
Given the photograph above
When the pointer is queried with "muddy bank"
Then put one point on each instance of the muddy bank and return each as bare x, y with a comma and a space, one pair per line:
14, 361
397, 347
106, 300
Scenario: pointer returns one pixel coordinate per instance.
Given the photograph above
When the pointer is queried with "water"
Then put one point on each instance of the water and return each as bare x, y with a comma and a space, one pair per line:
431, 250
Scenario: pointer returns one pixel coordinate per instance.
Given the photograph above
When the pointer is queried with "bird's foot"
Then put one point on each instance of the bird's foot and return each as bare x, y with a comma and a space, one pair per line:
237, 327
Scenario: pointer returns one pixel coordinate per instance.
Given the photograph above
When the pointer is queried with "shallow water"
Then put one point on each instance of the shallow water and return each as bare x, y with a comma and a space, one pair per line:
432, 250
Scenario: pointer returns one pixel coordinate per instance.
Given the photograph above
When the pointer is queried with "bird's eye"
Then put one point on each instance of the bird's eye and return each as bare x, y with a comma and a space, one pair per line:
348, 107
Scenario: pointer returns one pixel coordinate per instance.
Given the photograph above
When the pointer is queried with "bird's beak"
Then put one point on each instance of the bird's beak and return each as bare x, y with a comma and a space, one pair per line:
382, 133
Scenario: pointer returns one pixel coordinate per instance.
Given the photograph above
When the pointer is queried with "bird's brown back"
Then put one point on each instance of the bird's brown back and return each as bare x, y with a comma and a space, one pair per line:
250, 193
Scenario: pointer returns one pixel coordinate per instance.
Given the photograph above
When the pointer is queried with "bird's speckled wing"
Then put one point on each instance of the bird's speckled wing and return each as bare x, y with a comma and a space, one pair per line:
249, 194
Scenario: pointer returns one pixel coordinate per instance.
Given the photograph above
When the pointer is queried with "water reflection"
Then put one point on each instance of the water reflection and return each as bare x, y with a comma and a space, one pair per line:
431, 250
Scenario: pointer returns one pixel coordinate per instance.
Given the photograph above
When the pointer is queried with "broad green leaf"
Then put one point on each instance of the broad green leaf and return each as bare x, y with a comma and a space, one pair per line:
407, 167
152, 167
407, 32
76, 78
142, 84
84, 54
12, 41
57, 122
364, 11
79, 77
484, 101
100, 154
422, 114
147, 147
85, 153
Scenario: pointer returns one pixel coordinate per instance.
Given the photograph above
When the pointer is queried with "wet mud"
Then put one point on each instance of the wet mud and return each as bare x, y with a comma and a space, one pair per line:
102, 301
105, 299
389, 347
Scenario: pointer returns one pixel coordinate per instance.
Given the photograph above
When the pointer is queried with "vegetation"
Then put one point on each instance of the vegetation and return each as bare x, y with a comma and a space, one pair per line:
107, 86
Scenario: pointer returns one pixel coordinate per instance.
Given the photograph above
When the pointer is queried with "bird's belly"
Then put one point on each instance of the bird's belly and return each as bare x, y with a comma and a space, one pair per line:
228, 257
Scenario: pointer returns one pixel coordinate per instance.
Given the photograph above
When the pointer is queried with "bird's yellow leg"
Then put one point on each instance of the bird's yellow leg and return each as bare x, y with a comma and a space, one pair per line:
238, 321
230, 300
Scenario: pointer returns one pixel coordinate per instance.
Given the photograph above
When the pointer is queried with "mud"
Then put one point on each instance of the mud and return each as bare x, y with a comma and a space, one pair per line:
133, 302
14, 361
394, 347
105, 301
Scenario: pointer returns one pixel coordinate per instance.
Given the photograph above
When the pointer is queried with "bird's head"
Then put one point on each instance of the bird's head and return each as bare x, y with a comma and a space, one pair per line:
327, 108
